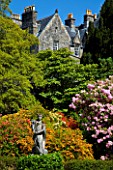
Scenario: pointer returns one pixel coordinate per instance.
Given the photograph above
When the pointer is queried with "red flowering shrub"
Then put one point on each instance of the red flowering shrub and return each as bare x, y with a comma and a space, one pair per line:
70, 122
13, 129
63, 135
16, 136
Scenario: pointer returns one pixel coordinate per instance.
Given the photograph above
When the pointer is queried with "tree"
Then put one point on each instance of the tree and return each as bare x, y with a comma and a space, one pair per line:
4, 7
64, 77
19, 69
99, 42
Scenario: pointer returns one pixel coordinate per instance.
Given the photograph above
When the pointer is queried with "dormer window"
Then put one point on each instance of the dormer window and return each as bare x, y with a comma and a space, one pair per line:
55, 45
77, 49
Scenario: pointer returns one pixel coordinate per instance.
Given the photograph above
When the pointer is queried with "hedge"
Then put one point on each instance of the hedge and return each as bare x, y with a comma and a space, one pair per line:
89, 165
44, 162
7, 163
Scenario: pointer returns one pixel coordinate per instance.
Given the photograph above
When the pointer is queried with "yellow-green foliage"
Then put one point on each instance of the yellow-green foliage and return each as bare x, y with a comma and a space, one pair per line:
16, 138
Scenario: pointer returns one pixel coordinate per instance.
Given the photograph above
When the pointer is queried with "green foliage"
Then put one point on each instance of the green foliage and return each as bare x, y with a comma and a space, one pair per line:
89, 165
20, 70
105, 68
7, 163
50, 162
107, 13
99, 43
64, 77
4, 7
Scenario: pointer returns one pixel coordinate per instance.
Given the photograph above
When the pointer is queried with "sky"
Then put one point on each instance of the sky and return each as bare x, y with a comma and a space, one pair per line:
46, 8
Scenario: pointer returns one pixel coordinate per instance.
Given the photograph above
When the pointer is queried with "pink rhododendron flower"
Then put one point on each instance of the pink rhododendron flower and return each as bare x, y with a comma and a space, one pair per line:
77, 95
83, 101
73, 99
88, 128
109, 131
97, 132
111, 127
105, 91
90, 86
106, 117
109, 144
99, 140
110, 97
107, 136
111, 113
95, 128
72, 106
104, 138
102, 110
103, 158
96, 118
89, 118
93, 123
94, 136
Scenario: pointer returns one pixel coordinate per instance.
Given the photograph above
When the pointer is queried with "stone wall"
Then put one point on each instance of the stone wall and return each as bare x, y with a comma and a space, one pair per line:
54, 31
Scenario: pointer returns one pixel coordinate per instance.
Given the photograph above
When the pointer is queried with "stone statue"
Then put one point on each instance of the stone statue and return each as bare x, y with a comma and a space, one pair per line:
39, 136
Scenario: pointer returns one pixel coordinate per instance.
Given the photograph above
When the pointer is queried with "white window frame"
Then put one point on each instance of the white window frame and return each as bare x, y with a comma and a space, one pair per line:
77, 50
55, 45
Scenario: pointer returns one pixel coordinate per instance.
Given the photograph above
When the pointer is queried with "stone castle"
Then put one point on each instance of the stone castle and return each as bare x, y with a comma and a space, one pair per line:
52, 33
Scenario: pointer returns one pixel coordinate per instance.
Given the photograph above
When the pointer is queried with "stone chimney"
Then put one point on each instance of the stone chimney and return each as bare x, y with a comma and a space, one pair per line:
29, 18
89, 17
70, 21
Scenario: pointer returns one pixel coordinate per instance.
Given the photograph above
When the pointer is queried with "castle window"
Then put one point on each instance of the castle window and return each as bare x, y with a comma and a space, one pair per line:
55, 45
77, 50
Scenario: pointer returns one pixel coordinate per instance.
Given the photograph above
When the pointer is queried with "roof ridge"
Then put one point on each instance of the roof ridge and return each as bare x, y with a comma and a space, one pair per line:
46, 17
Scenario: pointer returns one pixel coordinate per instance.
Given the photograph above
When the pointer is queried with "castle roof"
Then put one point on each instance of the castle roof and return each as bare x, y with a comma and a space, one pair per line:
43, 22
71, 32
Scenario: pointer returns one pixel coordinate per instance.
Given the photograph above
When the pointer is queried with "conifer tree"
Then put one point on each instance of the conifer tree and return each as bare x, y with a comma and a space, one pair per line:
99, 43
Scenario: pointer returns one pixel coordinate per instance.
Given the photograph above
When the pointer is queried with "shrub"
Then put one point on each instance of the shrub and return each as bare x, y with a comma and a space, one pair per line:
95, 109
50, 162
14, 128
89, 165
16, 134
68, 121
7, 163
66, 140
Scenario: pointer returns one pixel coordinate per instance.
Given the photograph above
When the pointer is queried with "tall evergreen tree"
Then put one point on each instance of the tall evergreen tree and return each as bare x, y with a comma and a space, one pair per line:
99, 43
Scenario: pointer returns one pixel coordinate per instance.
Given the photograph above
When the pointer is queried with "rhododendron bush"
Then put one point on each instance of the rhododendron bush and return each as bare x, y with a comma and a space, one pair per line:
95, 110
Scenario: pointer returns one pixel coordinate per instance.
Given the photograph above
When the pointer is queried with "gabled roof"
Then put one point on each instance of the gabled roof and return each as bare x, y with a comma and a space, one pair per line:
77, 40
43, 22
72, 33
